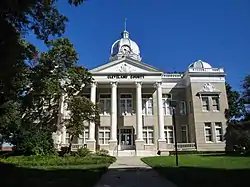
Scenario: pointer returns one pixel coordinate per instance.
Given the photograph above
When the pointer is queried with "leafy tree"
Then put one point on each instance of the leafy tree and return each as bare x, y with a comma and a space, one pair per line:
246, 95
236, 107
82, 110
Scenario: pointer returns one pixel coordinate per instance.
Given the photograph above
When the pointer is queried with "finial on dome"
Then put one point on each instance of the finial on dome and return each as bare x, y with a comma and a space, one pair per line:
125, 24
125, 33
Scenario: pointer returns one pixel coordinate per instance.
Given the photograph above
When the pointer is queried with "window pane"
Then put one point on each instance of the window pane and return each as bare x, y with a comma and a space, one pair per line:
101, 141
108, 106
101, 134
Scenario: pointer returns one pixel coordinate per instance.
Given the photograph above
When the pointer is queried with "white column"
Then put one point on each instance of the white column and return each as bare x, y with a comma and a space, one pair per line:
139, 111
113, 111
160, 113
93, 100
63, 135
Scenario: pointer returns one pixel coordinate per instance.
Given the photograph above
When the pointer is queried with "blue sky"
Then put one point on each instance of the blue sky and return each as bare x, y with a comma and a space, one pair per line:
171, 33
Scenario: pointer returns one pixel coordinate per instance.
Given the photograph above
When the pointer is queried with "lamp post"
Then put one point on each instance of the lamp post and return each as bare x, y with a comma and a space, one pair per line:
173, 104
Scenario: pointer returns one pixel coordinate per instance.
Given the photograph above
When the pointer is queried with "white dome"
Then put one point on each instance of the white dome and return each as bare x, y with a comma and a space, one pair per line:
199, 64
125, 47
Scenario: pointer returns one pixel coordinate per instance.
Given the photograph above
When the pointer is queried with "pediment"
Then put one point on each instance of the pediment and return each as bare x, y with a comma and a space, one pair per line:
125, 65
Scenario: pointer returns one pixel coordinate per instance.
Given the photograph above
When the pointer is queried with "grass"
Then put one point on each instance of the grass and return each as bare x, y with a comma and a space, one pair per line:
203, 170
52, 171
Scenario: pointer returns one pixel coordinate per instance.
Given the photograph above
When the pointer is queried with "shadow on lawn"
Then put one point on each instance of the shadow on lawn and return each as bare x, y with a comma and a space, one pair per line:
12, 176
206, 177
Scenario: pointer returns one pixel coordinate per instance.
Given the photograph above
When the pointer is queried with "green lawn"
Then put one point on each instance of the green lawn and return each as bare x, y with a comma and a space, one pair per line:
203, 170
46, 173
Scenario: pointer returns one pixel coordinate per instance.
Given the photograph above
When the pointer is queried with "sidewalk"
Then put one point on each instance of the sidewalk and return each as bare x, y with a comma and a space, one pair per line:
132, 172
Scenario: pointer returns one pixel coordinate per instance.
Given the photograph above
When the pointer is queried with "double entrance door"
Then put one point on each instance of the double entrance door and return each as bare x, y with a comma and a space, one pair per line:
125, 139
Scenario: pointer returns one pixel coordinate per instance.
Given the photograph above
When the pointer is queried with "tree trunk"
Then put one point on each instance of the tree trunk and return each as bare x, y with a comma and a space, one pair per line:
70, 144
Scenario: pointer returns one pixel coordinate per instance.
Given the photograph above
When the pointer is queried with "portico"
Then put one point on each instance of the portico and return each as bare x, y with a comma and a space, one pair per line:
126, 111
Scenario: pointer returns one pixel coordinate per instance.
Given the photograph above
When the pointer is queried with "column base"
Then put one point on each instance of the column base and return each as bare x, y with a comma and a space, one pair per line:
91, 145
139, 144
161, 144
113, 145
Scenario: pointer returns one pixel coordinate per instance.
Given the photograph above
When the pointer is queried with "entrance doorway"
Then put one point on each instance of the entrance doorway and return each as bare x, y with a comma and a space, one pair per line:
125, 137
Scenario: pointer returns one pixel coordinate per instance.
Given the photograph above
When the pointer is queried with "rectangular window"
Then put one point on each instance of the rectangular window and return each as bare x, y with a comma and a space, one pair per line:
184, 133
215, 103
105, 104
104, 135
68, 137
218, 132
205, 103
182, 106
84, 136
126, 105
82, 139
169, 134
147, 104
166, 104
208, 132
148, 135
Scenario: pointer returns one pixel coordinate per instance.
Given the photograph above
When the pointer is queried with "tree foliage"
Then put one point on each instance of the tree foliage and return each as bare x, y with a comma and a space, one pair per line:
31, 84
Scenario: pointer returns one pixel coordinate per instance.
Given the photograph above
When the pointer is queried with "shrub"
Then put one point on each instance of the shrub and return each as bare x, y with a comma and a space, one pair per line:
102, 152
56, 160
83, 151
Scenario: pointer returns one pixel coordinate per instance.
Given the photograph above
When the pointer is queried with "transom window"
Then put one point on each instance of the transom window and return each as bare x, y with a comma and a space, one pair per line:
169, 134
104, 135
166, 104
126, 106
147, 104
82, 139
105, 104
148, 135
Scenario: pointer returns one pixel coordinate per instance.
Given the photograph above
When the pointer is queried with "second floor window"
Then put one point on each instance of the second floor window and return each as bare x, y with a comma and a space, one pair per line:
166, 104
182, 106
105, 104
205, 103
126, 106
147, 104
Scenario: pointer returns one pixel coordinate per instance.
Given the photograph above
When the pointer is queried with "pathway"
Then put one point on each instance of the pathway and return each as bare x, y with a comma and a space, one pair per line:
132, 172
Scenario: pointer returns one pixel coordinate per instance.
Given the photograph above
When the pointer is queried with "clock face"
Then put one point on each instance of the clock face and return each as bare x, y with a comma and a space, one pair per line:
125, 49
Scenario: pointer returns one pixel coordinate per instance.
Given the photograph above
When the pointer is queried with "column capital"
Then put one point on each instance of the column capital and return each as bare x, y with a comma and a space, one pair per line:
114, 83
93, 84
157, 84
138, 83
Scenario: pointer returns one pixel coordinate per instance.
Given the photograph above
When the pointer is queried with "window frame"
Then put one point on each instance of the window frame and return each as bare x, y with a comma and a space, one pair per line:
184, 109
126, 113
103, 130
217, 103
218, 125
106, 111
166, 132
81, 136
166, 104
147, 99
205, 132
208, 103
148, 130
186, 133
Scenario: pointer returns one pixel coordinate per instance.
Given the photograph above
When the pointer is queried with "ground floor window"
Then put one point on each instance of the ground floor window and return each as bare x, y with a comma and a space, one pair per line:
218, 131
82, 139
104, 135
148, 135
208, 132
169, 134
184, 134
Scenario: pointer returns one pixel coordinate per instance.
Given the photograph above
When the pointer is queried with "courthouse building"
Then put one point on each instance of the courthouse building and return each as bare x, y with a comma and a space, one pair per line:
136, 116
